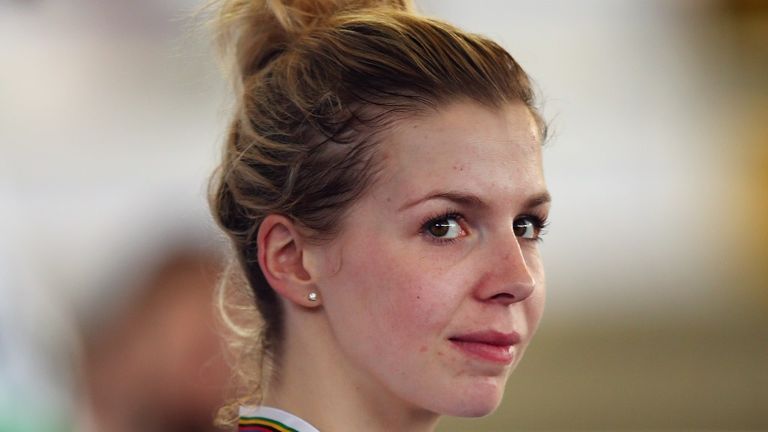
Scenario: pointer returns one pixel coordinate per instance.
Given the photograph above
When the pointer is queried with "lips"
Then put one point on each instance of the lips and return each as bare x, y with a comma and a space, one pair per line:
491, 346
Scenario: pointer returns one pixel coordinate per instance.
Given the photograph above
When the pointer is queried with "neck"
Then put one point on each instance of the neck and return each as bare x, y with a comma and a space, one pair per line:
314, 381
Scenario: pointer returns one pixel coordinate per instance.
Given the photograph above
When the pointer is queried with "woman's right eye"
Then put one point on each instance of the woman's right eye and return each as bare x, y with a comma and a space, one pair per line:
444, 228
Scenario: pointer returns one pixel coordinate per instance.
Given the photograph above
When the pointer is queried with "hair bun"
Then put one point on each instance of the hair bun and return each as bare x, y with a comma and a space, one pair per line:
253, 32
295, 16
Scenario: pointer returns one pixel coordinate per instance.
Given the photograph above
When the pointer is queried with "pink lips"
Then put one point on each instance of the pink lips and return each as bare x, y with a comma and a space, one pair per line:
489, 345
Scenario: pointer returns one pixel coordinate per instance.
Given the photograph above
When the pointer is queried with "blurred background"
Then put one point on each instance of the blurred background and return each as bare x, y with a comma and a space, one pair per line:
111, 117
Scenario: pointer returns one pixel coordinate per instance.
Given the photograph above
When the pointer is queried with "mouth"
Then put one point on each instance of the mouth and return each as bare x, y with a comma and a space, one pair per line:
490, 346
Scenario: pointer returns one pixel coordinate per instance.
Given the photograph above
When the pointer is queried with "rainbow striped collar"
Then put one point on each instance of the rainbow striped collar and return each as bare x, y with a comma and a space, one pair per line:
267, 419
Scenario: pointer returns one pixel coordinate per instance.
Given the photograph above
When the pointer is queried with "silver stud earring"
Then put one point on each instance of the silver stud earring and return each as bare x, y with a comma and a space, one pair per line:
312, 296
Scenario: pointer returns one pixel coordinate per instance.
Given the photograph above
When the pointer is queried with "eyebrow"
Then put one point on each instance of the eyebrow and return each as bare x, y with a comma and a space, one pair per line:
470, 200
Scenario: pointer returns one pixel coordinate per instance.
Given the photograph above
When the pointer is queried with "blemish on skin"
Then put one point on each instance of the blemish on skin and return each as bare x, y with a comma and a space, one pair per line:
423, 348
418, 297
440, 353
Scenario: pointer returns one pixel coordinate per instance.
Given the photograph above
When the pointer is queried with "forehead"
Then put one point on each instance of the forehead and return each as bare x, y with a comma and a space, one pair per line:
464, 146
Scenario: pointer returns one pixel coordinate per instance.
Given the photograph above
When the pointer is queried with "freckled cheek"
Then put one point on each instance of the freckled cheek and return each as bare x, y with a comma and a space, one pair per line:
411, 308
405, 301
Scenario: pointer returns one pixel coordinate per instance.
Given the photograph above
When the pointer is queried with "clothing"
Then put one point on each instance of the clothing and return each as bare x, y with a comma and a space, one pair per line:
268, 419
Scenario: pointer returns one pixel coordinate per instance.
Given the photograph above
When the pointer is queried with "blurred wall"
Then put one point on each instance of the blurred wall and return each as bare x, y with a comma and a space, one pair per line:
111, 114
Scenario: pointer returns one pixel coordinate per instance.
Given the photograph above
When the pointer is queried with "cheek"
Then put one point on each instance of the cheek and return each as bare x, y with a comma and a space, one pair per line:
404, 294
528, 313
534, 305
396, 294
535, 309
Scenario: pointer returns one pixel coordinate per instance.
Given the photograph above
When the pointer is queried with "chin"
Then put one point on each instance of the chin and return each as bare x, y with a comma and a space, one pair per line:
475, 410
474, 402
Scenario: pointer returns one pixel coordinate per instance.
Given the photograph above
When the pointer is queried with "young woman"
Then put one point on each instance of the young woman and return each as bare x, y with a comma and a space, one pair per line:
382, 187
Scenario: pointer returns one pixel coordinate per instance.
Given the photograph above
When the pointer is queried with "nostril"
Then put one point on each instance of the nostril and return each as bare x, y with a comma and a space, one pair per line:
503, 296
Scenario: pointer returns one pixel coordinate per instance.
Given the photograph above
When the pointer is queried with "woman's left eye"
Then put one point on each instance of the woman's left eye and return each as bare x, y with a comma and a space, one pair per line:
528, 227
444, 228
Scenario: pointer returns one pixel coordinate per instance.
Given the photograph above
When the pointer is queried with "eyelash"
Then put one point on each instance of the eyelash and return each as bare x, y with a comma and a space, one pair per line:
540, 224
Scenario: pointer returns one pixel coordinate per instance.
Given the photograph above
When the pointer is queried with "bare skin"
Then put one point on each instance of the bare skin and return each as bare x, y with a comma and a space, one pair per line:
434, 287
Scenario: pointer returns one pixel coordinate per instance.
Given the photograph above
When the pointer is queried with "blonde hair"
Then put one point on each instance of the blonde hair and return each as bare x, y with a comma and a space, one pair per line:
317, 82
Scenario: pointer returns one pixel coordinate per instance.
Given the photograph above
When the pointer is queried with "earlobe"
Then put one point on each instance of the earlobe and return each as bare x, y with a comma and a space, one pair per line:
280, 247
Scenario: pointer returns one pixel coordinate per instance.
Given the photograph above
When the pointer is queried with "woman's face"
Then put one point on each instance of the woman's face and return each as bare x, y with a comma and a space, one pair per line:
435, 285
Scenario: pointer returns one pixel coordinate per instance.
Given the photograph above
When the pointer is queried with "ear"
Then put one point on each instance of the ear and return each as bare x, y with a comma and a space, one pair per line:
280, 248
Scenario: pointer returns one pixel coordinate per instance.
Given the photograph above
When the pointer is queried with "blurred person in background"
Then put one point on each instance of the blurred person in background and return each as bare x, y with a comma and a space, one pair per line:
153, 362
140, 349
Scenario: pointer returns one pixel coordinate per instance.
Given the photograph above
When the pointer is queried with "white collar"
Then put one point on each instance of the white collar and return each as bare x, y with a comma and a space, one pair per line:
283, 417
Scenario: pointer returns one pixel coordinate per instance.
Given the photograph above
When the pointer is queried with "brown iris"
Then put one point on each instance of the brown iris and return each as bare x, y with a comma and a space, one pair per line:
522, 226
440, 228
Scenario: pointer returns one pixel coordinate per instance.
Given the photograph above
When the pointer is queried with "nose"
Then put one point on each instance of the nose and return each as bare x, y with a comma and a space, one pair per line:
508, 278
